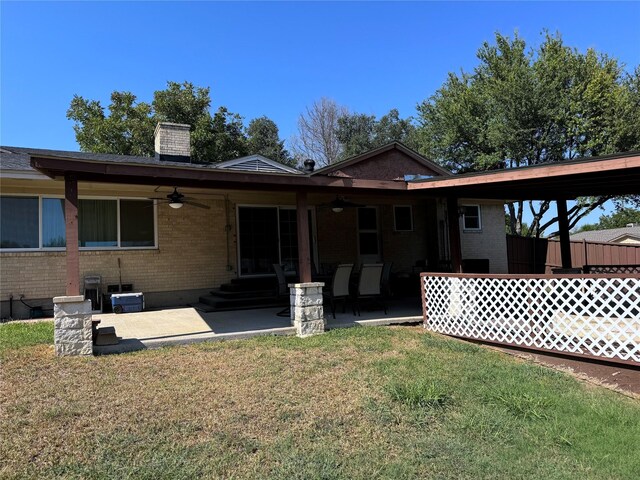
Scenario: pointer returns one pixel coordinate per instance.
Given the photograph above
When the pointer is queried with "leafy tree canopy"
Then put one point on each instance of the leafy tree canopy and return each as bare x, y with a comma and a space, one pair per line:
359, 132
525, 106
128, 127
263, 138
618, 219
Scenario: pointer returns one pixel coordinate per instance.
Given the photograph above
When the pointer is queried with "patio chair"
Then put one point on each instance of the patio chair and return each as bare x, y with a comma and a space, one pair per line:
283, 290
339, 289
369, 286
385, 283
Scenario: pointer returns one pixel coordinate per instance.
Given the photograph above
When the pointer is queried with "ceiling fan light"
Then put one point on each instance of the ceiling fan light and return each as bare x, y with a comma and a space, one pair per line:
336, 209
175, 204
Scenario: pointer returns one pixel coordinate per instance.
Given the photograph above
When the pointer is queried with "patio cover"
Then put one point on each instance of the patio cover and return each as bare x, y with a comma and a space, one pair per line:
610, 175
595, 176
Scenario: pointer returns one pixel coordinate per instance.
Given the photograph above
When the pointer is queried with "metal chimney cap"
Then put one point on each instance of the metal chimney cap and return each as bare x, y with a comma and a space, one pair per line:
309, 165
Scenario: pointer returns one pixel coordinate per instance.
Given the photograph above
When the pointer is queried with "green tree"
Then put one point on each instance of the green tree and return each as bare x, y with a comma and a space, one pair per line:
263, 138
128, 127
359, 132
392, 128
618, 219
523, 107
355, 133
127, 130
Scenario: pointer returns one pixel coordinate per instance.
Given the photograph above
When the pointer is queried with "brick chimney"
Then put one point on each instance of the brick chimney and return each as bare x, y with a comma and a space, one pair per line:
173, 142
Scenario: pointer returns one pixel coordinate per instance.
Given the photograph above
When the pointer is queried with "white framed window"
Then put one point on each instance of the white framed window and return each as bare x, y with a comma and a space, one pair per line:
402, 218
36, 222
471, 217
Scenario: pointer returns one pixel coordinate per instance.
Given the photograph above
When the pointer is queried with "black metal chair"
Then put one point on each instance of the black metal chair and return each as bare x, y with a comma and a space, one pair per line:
385, 281
283, 290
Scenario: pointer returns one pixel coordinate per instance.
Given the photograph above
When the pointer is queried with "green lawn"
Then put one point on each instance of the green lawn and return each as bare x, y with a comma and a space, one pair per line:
357, 403
24, 334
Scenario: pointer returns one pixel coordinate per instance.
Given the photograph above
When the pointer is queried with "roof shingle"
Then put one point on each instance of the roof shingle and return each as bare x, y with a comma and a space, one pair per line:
607, 235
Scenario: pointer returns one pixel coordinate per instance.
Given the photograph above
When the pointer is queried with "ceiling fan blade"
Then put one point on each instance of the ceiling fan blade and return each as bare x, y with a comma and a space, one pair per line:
341, 202
348, 204
196, 204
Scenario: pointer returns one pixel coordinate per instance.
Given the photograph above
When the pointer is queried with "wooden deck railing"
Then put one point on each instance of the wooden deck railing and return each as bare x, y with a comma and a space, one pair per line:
586, 315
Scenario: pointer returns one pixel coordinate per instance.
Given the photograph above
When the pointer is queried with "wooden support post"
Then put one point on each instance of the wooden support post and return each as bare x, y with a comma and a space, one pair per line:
455, 246
304, 250
563, 228
71, 228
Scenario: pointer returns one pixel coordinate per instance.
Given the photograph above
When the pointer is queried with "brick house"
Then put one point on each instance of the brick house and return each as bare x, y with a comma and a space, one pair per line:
236, 219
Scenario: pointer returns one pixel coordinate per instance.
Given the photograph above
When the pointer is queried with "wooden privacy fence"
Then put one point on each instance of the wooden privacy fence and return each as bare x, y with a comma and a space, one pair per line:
540, 255
585, 315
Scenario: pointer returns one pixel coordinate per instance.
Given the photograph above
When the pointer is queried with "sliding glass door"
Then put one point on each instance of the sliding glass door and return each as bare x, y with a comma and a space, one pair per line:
268, 235
258, 239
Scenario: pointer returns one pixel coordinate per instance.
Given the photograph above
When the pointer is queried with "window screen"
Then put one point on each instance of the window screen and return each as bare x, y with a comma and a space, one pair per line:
53, 226
98, 223
19, 222
136, 223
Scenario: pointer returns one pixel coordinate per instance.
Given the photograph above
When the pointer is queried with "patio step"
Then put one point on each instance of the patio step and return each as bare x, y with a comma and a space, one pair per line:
218, 303
241, 293
258, 283
252, 284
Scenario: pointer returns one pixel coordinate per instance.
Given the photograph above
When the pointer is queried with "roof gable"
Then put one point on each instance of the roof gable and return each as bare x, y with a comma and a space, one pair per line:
627, 238
609, 235
256, 163
390, 162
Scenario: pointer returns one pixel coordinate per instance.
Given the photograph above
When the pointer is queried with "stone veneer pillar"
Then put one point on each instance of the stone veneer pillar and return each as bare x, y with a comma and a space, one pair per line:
307, 312
72, 326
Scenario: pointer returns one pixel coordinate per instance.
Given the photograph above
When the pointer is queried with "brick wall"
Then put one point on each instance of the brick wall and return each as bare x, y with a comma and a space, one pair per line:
191, 256
404, 248
491, 241
338, 235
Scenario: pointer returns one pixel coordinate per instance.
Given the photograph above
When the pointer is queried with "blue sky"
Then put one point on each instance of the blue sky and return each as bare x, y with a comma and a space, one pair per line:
266, 58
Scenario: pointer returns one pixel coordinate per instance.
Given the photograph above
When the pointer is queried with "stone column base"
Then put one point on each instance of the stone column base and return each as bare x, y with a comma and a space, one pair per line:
307, 312
72, 326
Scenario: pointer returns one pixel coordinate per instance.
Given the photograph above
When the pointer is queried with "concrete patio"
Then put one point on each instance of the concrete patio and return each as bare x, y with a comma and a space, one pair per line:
178, 326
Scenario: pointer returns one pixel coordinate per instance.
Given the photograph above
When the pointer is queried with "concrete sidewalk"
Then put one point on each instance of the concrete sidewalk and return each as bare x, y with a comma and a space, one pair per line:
178, 326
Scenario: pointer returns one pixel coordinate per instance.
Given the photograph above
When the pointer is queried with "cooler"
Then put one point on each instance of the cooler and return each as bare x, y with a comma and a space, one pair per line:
127, 302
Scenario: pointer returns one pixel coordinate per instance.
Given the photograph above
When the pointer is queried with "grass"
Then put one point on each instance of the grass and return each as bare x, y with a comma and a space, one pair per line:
353, 403
24, 334
418, 394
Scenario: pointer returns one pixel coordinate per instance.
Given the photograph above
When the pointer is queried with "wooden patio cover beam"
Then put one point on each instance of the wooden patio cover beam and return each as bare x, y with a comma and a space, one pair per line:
304, 249
205, 177
71, 230
455, 243
563, 228
617, 175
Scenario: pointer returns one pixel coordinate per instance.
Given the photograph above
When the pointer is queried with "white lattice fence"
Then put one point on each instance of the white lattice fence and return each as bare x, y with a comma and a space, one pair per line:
595, 316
